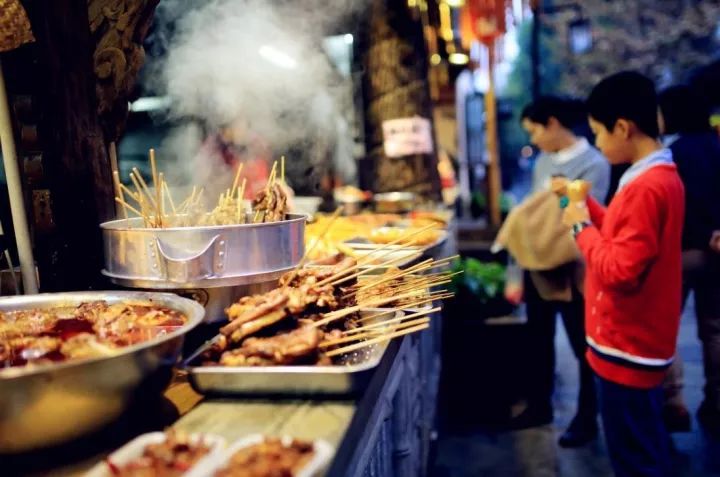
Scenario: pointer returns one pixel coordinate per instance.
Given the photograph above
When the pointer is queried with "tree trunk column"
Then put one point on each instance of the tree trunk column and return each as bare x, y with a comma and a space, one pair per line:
396, 86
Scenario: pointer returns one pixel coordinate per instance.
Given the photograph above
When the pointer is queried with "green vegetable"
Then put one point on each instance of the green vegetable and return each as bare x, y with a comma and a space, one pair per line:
486, 280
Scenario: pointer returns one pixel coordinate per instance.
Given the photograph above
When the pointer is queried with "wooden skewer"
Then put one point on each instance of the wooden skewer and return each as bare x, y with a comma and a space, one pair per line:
383, 323
377, 340
131, 194
157, 186
161, 199
336, 315
166, 188
307, 253
236, 181
367, 259
120, 209
408, 306
371, 333
144, 186
129, 207
241, 195
282, 169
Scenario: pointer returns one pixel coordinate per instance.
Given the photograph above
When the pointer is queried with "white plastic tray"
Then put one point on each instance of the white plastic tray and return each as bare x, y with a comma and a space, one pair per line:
323, 453
134, 449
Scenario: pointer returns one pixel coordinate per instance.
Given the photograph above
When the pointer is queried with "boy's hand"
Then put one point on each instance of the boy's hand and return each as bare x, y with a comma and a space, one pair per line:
559, 185
575, 213
715, 241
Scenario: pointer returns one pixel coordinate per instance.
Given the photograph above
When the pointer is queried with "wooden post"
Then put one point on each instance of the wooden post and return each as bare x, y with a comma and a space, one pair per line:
395, 85
75, 162
491, 128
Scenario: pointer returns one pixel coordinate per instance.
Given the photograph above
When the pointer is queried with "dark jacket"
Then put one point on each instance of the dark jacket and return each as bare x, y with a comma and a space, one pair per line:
697, 156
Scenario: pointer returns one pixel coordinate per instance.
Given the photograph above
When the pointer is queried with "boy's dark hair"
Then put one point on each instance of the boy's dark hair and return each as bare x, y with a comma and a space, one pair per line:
683, 110
569, 112
626, 95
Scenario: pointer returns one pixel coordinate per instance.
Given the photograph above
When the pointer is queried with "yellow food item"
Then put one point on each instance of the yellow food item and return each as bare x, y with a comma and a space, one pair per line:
385, 235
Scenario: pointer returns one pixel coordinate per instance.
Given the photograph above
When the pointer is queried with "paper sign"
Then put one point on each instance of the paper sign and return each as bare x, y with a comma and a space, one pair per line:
407, 136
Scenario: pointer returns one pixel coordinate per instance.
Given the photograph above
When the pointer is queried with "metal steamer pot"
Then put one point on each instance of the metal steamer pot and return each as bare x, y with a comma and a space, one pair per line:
51, 404
215, 265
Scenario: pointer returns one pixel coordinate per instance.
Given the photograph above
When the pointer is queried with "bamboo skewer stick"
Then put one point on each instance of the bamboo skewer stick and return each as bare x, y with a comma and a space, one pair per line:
363, 272
166, 189
377, 340
144, 186
408, 306
121, 210
131, 194
307, 253
161, 199
336, 315
157, 186
129, 207
236, 181
371, 333
383, 323
282, 169
367, 259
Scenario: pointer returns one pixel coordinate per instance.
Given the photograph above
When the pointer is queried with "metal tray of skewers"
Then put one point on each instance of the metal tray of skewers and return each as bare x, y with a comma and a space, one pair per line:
309, 336
348, 374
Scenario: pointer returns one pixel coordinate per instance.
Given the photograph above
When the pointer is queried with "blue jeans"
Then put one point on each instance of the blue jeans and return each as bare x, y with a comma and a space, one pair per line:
637, 442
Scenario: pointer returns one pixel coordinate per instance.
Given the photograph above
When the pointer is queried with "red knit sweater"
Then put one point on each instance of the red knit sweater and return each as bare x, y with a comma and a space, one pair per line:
634, 279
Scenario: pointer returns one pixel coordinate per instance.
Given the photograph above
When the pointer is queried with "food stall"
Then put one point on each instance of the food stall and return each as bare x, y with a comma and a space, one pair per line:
236, 333
336, 356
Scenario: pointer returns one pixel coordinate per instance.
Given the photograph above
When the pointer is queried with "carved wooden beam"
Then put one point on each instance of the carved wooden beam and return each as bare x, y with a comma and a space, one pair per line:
118, 29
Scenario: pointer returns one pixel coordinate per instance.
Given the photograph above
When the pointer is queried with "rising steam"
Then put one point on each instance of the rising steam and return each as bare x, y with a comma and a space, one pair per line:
258, 60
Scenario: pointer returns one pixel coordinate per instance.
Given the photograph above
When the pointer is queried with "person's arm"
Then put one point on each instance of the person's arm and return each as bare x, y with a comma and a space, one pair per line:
620, 261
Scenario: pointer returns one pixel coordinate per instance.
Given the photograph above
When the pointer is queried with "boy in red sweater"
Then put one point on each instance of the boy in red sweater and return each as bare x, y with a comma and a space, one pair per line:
633, 283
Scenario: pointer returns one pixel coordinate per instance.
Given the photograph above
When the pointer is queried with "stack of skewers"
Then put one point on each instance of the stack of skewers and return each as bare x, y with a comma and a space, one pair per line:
154, 202
313, 316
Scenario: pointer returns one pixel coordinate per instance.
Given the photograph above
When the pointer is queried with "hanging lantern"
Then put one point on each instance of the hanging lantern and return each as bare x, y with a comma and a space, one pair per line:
486, 19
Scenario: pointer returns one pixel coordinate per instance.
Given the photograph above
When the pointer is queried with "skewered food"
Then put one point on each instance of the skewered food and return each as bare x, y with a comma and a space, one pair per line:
392, 283
170, 458
92, 329
270, 458
271, 203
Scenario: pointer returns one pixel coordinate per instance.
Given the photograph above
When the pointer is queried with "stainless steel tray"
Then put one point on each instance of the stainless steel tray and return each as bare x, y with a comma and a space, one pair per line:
201, 257
347, 378
51, 404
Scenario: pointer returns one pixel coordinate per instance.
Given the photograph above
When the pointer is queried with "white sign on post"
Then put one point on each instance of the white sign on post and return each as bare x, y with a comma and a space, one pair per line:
407, 136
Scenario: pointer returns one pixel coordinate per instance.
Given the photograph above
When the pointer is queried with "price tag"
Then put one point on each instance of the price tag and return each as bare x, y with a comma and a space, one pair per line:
407, 136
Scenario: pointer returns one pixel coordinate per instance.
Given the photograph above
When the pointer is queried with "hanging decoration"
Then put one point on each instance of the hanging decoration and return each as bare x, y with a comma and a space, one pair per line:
483, 19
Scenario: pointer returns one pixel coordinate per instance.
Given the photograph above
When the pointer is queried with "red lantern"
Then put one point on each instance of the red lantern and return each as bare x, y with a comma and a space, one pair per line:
486, 19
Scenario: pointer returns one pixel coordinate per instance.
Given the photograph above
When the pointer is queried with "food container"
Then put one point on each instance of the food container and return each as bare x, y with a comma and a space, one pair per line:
394, 202
50, 404
134, 449
347, 378
322, 456
201, 257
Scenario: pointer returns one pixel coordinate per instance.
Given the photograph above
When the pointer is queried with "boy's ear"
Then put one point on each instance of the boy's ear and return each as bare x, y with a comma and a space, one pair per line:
623, 128
552, 122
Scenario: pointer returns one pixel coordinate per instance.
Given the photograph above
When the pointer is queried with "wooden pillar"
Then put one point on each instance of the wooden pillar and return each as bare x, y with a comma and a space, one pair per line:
493, 148
75, 164
395, 85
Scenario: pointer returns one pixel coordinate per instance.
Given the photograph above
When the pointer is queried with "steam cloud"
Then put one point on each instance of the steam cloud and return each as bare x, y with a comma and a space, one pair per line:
258, 60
